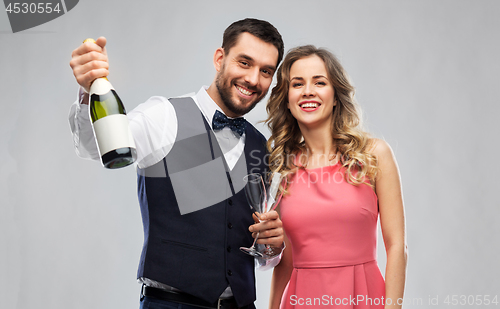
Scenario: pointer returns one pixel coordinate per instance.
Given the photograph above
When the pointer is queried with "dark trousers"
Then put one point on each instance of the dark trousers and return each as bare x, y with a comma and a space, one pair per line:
154, 303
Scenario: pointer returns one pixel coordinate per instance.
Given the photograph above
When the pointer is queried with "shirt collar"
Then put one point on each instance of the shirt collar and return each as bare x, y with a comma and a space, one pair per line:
207, 105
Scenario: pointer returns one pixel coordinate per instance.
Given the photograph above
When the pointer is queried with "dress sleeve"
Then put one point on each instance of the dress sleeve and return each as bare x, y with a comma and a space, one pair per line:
154, 128
153, 125
83, 136
270, 262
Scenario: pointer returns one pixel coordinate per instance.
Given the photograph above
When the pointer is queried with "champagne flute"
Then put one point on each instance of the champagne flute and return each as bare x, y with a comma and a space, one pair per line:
274, 196
255, 191
272, 200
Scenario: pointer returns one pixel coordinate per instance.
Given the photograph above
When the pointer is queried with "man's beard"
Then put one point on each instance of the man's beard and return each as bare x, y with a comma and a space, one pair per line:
224, 89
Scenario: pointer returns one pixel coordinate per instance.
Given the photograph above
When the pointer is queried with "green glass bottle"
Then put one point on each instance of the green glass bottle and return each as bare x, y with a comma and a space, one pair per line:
110, 124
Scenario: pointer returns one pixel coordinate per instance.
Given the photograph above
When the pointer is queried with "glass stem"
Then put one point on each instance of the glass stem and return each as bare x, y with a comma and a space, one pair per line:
255, 240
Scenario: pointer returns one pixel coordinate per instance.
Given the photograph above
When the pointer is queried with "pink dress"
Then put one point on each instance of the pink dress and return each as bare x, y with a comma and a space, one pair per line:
332, 226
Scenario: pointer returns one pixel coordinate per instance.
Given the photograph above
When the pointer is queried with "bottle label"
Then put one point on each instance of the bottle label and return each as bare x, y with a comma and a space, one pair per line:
113, 132
100, 86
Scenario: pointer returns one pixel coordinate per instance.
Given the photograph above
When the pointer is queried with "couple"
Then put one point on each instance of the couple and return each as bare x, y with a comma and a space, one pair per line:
328, 235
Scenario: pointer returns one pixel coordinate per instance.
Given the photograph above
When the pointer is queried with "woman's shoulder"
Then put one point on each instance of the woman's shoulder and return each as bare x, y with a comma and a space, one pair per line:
380, 148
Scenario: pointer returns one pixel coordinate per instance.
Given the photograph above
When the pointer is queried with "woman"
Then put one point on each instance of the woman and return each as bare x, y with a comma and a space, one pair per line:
339, 180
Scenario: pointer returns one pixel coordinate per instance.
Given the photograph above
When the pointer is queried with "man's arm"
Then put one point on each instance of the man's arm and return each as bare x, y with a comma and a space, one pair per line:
89, 61
79, 121
281, 275
270, 229
153, 125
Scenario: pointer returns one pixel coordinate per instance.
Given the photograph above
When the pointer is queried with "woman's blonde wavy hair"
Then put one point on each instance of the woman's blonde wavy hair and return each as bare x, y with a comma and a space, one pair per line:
286, 140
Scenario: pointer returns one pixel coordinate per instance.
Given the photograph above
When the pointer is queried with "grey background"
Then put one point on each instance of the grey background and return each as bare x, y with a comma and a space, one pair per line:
427, 78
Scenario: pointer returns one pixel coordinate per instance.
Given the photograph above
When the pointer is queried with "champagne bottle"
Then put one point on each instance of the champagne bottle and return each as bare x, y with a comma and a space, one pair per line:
110, 124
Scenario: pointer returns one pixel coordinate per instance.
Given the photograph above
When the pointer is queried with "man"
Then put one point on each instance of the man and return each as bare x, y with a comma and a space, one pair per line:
190, 254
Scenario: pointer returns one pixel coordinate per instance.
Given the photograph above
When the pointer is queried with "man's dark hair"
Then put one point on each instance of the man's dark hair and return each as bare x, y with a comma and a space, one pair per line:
258, 28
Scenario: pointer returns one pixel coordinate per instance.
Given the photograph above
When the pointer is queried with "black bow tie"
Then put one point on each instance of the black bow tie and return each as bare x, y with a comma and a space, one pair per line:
220, 121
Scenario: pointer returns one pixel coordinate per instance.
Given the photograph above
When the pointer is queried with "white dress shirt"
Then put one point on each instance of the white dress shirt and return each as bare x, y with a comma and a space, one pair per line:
154, 128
